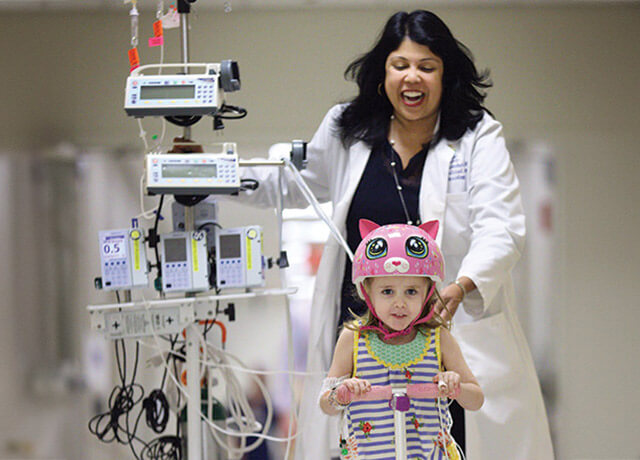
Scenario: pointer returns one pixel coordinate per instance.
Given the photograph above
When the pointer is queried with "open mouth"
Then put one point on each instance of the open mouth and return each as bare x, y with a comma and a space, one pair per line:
412, 97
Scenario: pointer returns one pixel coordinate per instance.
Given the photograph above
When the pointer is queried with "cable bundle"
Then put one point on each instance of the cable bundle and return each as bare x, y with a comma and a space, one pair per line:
116, 424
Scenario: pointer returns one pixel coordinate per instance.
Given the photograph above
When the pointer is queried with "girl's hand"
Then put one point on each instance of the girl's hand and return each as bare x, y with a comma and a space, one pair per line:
351, 387
448, 384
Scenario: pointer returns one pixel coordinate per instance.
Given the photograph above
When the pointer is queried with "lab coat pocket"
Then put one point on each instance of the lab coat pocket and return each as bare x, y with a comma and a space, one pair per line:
456, 224
489, 347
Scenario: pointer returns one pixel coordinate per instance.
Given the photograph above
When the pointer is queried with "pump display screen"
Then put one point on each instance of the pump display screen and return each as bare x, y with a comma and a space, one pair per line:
168, 92
208, 170
175, 250
113, 247
230, 247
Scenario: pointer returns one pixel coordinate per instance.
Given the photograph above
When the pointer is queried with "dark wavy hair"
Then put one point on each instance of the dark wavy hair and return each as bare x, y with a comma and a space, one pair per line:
367, 116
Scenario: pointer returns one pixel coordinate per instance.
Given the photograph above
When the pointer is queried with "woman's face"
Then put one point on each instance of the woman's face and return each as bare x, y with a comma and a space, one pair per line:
413, 82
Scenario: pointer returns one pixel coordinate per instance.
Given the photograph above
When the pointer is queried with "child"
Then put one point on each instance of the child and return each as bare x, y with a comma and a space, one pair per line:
398, 342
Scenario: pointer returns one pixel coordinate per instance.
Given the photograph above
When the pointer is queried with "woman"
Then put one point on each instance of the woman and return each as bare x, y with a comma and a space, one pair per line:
416, 144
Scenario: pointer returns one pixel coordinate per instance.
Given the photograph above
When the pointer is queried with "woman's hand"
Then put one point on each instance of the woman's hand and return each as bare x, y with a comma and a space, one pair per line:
350, 388
451, 296
448, 384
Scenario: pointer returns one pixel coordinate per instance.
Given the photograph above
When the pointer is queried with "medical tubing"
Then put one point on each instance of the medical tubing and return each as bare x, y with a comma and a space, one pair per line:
306, 191
148, 215
143, 135
239, 419
223, 366
182, 391
238, 404
204, 417
164, 122
242, 369
279, 201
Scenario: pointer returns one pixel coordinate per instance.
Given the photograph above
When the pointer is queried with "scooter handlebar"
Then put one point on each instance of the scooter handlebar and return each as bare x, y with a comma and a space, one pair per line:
385, 392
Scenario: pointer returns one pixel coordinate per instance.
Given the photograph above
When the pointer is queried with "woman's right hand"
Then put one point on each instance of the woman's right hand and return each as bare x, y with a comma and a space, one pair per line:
350, 388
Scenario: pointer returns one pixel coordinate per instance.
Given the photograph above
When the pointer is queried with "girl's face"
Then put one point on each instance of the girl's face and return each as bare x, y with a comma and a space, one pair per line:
413, 82
397, 300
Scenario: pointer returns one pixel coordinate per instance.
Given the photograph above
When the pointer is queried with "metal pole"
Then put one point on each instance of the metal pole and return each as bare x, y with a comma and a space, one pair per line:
194, 428
184, 52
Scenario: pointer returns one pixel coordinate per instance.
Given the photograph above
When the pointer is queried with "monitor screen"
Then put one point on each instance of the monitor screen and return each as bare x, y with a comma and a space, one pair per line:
168, 92
187, 171
230, 246
175, 250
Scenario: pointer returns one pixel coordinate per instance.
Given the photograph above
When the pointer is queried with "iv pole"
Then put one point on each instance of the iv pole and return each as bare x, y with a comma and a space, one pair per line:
194, 427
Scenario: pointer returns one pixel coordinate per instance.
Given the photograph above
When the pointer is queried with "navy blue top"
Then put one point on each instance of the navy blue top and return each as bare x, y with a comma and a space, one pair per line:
377, 199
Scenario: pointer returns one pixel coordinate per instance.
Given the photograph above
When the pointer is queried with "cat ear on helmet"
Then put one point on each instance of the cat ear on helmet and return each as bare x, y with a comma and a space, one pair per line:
431, 228
366, 227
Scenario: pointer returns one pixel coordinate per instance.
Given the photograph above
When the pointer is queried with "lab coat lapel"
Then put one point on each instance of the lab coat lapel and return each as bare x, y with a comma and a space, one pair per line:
358, 157
433, 189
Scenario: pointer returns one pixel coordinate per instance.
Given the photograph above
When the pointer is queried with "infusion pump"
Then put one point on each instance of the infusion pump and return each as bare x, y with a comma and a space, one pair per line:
180, 94
239, 259
123, 259
193, 173
185, 265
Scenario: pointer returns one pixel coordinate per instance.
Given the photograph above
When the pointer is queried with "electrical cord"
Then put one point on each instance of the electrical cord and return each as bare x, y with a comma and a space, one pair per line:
249, 184
163, 448
114, 425
183, 120
156, 408
238, 112
153, 236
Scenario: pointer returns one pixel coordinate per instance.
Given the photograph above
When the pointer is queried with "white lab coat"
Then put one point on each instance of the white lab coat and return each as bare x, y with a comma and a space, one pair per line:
469, 186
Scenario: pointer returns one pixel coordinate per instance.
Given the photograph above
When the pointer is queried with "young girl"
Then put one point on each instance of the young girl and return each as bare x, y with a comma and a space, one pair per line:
399, 341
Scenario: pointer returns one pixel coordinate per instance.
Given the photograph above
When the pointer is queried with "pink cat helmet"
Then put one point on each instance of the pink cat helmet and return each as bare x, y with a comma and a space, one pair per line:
398, 250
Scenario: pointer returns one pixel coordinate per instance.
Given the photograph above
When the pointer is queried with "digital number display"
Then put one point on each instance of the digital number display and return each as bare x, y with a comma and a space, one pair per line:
230, 247
188, 171
114, 247
168, 92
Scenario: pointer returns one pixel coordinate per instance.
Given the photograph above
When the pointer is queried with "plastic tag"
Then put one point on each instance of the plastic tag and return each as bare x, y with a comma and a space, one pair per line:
134, 58
156, 41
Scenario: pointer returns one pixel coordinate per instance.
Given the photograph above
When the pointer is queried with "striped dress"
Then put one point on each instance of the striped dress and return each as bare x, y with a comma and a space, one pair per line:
368, 426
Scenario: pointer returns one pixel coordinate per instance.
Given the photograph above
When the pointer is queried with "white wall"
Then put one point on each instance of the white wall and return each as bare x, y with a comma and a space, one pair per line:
566, 75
